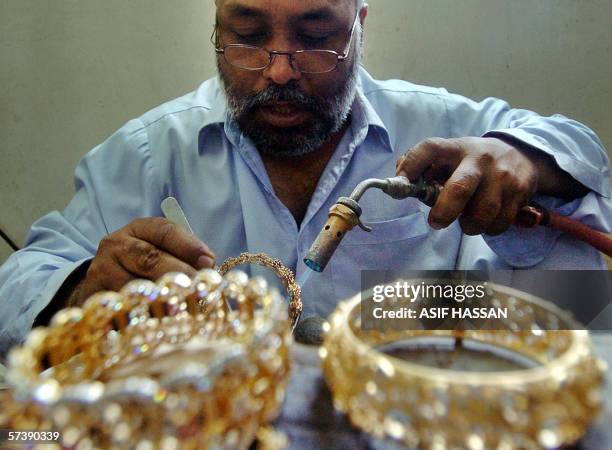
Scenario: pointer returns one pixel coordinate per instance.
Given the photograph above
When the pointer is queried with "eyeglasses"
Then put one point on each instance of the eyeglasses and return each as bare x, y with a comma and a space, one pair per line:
249, 57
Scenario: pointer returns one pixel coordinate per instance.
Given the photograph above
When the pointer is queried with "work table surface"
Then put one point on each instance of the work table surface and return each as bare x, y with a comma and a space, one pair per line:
310, 421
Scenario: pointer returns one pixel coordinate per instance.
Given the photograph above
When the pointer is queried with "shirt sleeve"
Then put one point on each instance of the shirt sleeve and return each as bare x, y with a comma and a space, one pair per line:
575, 149
114, 183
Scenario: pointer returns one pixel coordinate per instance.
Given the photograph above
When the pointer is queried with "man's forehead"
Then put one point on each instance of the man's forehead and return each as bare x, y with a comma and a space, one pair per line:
296, 6
259, 3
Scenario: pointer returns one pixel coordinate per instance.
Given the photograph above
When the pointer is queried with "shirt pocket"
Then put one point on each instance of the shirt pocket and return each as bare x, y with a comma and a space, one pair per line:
387, 246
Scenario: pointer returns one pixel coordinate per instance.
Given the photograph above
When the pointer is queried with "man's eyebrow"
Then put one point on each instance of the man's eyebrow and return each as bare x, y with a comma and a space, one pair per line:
243, 11
324, 13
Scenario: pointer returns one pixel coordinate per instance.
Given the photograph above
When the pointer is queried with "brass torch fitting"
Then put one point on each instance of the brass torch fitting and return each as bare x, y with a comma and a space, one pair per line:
343, 216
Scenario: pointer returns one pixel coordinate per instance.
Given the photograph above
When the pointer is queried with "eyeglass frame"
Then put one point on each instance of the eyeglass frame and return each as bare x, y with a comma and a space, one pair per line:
340, 57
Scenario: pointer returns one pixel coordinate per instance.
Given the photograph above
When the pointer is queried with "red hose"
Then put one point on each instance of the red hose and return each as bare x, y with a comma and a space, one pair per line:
532, 215
580, 231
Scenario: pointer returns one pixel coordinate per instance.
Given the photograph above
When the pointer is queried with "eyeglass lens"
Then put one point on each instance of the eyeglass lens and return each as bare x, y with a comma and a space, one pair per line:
254, 58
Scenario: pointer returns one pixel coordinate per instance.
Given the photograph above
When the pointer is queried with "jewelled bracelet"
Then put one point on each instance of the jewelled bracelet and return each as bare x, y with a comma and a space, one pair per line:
158, 365
546, 406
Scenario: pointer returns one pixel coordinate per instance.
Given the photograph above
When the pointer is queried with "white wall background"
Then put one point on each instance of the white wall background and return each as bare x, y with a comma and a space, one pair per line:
71, 72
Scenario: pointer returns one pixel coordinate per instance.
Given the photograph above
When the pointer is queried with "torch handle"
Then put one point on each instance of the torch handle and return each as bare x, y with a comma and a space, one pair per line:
427, 192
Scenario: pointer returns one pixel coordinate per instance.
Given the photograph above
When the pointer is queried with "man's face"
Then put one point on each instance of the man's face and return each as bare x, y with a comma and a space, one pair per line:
283, 111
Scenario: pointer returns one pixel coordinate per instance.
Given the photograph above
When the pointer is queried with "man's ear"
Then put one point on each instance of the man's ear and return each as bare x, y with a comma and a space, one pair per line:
363, 13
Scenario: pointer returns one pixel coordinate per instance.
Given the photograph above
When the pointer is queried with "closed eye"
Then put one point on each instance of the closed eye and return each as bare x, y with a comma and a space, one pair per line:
313, 41
250, 38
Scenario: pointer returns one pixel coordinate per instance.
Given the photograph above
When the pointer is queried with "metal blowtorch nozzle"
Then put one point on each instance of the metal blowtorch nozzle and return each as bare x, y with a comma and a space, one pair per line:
345, 213
343, 217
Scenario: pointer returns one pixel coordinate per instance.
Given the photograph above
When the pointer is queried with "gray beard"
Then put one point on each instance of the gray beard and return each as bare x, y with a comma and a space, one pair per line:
329, 114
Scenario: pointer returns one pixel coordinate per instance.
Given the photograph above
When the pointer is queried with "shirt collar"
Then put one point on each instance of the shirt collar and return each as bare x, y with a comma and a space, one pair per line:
364, 116
213, 95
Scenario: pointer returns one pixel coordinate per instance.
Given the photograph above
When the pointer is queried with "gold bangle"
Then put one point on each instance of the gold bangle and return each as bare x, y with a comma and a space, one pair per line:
547, 406
147, 367
285, 274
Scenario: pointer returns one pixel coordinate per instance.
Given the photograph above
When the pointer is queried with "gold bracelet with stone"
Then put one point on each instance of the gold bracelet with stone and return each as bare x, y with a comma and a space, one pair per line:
547, 406
157, 365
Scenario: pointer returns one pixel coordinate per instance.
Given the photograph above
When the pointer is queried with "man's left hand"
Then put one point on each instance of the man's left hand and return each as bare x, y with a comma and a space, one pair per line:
485, 180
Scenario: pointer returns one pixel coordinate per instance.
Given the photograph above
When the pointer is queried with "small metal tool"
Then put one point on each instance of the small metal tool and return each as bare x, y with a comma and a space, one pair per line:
174, 213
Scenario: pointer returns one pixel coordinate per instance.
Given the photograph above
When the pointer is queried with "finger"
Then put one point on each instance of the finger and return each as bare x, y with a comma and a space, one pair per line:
510, 207
457, 192
436, 174
444, 153
143, 259
173, 239
109, 275
504, 219
483, 209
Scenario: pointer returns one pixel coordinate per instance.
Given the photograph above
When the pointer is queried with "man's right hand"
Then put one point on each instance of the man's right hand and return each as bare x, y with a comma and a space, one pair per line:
146, 248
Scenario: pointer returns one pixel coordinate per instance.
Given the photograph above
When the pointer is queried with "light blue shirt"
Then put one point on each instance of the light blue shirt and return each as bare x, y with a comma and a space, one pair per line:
187, 148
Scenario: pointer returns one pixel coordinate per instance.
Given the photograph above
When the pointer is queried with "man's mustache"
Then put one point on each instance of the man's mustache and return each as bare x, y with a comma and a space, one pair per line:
274, 94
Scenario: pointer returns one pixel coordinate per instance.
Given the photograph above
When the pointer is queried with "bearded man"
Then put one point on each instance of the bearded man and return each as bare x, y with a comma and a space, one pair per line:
257, 156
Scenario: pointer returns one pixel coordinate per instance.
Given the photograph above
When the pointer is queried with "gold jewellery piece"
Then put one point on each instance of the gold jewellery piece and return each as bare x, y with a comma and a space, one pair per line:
285, 274
165, 365
543, 407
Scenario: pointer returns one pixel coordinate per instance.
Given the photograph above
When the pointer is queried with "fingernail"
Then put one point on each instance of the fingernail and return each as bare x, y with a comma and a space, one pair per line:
205, 262
206, 251
401, 173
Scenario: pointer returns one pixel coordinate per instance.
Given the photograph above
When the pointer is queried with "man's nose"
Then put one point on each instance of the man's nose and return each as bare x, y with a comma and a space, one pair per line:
281, 70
